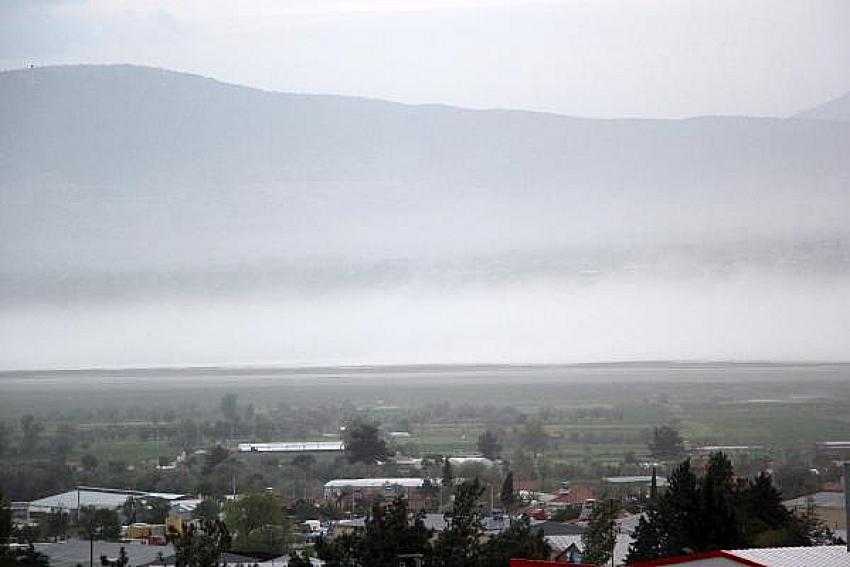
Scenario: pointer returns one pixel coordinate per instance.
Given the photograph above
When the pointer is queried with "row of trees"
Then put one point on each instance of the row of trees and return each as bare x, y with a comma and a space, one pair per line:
719, 511
390, 535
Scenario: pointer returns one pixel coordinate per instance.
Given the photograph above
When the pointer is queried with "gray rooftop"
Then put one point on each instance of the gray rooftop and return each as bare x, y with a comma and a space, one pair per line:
75, 499
819, 499
97, 497
74, 551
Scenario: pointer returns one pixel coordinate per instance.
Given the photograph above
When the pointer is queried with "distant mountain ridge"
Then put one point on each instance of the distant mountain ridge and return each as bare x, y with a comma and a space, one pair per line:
130, 169
837, 109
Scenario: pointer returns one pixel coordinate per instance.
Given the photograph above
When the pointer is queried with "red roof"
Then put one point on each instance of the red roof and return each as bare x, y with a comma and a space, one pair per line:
575, 495
539, 563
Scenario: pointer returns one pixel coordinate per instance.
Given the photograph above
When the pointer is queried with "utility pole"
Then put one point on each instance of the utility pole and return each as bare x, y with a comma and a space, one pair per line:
847, 499
613, 530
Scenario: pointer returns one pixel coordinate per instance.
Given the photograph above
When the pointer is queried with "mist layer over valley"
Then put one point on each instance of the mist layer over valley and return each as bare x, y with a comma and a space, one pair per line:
150, 217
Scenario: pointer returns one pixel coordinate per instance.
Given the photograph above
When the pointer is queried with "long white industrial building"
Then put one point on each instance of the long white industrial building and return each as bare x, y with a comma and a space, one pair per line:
305, 447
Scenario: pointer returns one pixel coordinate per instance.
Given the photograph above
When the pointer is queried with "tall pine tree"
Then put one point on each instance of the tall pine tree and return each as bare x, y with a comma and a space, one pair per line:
601, 534
459, 544
507, 496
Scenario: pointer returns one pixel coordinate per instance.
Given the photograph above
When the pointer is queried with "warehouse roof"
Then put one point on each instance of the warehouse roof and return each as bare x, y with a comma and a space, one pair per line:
74, 499
97, 497
74, 552
819, 499
298, 447
375, 482
635, 480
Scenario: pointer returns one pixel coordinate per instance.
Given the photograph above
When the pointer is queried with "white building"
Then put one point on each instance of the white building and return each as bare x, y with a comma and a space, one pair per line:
296, 447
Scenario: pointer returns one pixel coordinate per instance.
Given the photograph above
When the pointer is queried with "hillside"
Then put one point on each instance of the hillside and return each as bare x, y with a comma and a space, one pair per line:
837, 109
122, 169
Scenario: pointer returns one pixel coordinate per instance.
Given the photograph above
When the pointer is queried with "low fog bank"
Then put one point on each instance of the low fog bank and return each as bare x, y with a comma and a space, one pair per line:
314, 277
742, 316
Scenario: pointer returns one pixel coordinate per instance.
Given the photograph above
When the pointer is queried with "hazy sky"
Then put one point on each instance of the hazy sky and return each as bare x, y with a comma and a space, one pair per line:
665, 58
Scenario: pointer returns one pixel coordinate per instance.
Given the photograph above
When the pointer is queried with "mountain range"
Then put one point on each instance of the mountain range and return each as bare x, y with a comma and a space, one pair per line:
119, 172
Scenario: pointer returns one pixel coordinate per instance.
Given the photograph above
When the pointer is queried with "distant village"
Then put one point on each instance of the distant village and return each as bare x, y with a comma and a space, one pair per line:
141, 528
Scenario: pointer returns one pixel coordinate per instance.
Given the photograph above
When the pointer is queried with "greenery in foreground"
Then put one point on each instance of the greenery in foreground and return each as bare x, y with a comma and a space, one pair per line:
389, 534
9, 557
718, 511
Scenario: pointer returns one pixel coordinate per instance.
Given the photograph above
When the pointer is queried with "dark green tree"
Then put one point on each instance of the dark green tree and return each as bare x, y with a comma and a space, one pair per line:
599, 539
666, 443
720, 528
519, 540
155, 510
672, 522
214, 457
258, 523
447, 482
507, 496
389, 533
201, 544
207, 509
488, 444
459, 544
679, 510
762, 515
648, 537
89, 462
807, 529
99, 523
5, 520
26, 557
716, 512
342, 551
363, 443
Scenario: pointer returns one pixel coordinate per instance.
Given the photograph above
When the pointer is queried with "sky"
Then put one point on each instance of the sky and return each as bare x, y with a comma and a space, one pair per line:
601, 58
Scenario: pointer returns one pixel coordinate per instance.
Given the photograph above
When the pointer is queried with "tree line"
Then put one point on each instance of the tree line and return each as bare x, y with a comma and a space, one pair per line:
717, 510
389, 536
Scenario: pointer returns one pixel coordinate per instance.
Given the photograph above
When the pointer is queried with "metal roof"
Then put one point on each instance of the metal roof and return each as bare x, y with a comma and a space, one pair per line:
74, 499
467, 460
562, 542
715, 448
97, 497
166, 495
74, 552
375, 482
305, 447
823, 556
644, 479
819, 499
